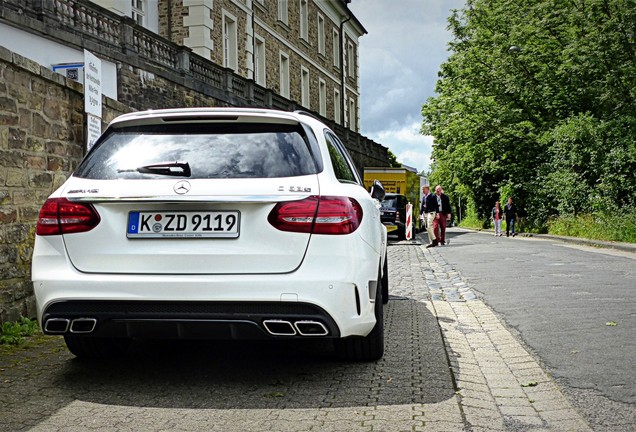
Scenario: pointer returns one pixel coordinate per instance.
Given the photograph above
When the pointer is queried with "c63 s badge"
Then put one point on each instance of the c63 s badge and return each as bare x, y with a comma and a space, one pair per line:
299, 189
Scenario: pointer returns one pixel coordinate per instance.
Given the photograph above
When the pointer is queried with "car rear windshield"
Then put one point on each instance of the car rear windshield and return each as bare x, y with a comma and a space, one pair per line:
389, 202
211, 151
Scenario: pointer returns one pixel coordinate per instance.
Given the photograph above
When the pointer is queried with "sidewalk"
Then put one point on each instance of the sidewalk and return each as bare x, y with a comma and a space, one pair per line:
499, 385
450, 365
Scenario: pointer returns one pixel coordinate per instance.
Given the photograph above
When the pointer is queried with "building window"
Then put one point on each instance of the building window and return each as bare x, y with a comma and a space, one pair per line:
350, 60
283, 11
230, 46
139, 11
304, 20
336, 106
322, 97
259, 61
336, 48
284, 75
352, 114
304, 87
321, 34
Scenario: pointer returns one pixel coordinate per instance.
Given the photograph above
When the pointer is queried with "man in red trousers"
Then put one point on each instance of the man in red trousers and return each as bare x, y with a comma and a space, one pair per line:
443, 215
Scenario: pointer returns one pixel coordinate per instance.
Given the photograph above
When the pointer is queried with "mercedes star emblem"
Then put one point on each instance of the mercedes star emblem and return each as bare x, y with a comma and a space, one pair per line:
182, 187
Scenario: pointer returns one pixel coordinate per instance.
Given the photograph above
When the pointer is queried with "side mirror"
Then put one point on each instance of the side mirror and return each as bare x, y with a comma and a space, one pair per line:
377, 190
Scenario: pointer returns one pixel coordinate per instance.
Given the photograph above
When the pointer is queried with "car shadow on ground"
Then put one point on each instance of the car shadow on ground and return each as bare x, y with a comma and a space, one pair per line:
244, 375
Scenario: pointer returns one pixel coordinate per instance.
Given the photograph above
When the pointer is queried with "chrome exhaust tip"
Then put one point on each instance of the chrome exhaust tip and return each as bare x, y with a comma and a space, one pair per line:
56, 325
311, 328
83, 325
279, 328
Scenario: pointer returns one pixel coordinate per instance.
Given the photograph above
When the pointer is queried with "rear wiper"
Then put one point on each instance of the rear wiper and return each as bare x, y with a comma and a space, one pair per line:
177, 169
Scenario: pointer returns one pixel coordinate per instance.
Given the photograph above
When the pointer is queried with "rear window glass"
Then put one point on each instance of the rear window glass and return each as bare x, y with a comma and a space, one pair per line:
211, 151
390, 202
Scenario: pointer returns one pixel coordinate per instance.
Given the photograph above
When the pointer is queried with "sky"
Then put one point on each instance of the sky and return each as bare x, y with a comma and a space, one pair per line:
399, 60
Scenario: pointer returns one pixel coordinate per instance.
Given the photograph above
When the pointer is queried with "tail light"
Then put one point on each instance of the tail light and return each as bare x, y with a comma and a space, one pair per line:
317, 215
397, 216
61, 216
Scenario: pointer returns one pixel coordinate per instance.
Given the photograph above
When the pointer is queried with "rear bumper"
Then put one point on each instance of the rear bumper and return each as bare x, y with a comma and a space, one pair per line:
188, 320
335, 291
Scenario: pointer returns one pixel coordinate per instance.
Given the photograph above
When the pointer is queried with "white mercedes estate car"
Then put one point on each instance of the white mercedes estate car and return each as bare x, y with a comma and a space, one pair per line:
213, 223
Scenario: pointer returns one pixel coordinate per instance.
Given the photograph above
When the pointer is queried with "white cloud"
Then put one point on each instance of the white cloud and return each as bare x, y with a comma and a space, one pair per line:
408, 145
399, 61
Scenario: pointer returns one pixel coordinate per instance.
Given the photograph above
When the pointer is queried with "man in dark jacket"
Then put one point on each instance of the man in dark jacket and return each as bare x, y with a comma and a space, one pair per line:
510, 211
444, 212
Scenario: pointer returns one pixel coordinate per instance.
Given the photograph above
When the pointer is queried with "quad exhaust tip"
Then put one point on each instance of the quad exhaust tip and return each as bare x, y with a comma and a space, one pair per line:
279, 327
57, 325
65, 325
302, 328
311, 328
83, 325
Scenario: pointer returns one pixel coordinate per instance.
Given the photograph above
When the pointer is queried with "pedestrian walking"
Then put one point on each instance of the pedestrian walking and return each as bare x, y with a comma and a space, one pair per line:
510, 212
497, 216
444, 213
429, 210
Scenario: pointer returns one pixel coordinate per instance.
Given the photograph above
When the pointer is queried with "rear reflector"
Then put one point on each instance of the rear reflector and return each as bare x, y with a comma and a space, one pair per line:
61, 216
331, 215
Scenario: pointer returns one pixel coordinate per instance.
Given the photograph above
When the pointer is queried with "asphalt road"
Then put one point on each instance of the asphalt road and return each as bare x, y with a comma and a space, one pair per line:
558, 298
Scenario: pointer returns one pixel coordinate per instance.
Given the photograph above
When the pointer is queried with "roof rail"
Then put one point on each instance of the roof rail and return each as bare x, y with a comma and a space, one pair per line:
307, 113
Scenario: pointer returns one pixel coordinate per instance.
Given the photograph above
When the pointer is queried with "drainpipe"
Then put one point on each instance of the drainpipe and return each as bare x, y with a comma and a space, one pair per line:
342, 71
253, 43
170, 21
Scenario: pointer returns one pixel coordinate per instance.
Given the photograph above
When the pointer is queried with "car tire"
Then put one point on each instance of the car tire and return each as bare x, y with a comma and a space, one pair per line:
95, 347
365, 348
385, 280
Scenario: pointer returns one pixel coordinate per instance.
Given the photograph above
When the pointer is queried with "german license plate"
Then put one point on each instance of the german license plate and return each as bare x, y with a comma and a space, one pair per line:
191, 224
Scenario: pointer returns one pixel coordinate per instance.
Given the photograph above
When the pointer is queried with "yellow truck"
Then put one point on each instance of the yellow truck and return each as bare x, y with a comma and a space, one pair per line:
401, 185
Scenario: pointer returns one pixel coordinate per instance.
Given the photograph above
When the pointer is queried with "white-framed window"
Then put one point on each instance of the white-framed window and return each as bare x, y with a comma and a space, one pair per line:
284, 74
304, 20
321, 34
350, 60
322, 97
259, 60
304, 87
139, 11
283, 11
352, 114
336, 48
336, 106
230, 44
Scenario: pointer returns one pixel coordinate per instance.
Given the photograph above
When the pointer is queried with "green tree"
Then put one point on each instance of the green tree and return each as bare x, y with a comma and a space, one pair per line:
537, 101
393, 162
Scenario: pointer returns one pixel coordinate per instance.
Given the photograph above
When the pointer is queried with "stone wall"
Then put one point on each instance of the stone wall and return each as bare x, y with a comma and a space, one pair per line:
41, 139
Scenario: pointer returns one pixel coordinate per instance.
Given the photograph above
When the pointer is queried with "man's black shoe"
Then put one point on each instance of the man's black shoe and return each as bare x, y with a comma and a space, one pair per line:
443, 243
432, 244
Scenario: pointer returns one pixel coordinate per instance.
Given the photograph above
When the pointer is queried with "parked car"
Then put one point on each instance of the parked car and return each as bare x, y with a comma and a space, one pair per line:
220, 223
393, 214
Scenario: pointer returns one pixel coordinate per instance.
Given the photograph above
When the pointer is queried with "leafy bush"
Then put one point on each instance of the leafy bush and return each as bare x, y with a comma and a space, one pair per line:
597, 226
13, 333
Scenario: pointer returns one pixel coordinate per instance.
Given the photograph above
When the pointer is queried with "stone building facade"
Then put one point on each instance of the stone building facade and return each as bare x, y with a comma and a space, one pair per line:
42, 120
317, 39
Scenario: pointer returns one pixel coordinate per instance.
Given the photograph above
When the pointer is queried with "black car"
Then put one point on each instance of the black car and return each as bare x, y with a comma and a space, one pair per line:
393, 214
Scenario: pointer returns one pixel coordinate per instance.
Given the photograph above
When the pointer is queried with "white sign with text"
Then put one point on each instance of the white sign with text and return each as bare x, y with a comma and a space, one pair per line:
92, 84
93, 130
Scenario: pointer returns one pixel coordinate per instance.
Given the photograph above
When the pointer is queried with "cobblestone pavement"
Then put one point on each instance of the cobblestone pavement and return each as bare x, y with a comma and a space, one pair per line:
449, 365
